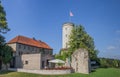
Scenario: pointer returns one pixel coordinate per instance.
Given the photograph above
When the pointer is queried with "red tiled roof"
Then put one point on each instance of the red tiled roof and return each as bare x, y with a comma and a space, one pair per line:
29, 41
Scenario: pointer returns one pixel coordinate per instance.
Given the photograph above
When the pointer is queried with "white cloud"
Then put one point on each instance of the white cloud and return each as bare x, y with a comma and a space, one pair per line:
111, 48
118, 31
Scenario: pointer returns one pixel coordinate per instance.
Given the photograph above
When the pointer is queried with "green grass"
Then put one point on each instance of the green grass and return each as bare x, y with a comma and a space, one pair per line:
101, 72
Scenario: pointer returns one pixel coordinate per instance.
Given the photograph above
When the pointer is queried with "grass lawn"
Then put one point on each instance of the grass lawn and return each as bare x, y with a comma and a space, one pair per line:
101, 72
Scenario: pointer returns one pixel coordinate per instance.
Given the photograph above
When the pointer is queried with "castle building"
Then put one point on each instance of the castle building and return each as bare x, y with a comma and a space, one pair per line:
30, 53
66, 31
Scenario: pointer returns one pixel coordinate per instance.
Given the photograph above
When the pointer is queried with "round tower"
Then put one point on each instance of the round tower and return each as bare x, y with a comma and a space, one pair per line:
66, 31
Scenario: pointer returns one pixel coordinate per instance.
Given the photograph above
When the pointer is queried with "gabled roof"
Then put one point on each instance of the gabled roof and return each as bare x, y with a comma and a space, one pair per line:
29, 41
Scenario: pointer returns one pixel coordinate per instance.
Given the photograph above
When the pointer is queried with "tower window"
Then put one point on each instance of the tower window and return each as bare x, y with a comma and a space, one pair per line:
65, 28
66, 45
66, 35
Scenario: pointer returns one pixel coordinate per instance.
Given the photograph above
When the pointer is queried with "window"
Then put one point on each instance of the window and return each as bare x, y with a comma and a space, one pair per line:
47, 52
26, 62
36, 49
32, 48
43, 64
28, 48
43, 51
50, 52
24, 46
19, 46
40, 49
20, 53
66, 45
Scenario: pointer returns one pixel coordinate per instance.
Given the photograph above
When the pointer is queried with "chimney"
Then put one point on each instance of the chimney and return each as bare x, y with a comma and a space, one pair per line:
34, 38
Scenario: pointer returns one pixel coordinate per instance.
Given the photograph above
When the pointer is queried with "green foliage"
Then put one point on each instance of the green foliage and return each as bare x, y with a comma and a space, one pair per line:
7, 54
3, 21
2, 42
62, 56
105, 63
80, 39
5, 51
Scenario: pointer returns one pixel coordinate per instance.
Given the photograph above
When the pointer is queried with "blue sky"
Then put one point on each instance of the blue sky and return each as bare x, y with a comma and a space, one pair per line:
43, 20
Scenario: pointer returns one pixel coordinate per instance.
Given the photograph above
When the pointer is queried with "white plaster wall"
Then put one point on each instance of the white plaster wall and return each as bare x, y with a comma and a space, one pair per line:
66, 31
13, 46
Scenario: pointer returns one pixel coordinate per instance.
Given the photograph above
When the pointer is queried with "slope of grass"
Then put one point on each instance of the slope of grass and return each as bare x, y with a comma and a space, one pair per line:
102, 72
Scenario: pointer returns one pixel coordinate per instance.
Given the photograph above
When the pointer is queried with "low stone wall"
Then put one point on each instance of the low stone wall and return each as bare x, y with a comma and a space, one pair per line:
45, 72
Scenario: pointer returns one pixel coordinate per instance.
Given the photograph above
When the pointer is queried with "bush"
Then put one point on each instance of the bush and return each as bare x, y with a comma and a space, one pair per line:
106, 62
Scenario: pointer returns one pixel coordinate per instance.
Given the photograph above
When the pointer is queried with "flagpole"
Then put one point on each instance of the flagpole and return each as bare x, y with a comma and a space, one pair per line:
69, 18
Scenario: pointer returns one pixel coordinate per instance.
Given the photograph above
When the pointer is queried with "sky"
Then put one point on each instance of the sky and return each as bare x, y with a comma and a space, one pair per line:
43, 19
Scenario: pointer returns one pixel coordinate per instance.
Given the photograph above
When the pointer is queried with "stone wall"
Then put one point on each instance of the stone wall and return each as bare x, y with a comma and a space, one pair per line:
80, 61
31, 61
44, 72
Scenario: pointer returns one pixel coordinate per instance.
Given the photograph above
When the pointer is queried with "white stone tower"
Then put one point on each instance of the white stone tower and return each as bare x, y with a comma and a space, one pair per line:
66, 31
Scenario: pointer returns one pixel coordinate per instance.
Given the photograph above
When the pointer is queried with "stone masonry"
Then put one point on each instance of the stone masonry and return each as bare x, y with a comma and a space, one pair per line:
31, 61
80, 61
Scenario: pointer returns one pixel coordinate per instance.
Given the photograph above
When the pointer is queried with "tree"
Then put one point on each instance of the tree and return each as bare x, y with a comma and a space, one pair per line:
3, 26
7, 55
106, 62
2, 41
80, 39
3, 21
5, 51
